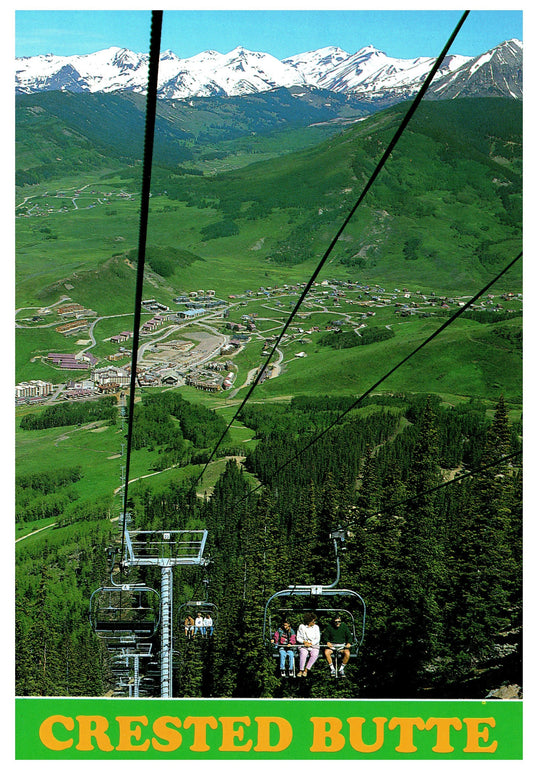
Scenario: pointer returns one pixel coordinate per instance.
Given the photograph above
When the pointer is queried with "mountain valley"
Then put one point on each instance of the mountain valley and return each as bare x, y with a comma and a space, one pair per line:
257, 164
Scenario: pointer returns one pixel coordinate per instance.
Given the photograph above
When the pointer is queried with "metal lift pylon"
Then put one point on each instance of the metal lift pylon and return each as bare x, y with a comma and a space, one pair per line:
165, 549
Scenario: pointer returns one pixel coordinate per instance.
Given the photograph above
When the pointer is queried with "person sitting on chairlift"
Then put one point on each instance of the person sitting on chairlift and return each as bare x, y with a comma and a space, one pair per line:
308, 636
284, 639
337, 638
189, 627
208, 625
199, 624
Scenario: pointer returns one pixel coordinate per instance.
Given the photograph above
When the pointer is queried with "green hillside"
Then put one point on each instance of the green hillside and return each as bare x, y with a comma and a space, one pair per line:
444, 213
447, 206
469, 358
59, 132
439, 565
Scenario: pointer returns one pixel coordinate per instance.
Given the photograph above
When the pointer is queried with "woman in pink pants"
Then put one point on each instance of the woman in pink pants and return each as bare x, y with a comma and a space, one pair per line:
308, 637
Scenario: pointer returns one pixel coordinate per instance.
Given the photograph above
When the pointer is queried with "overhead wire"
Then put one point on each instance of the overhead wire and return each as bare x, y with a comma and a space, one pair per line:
403, 125
391, 371
151, 102
406, 500
149, 137
151, 108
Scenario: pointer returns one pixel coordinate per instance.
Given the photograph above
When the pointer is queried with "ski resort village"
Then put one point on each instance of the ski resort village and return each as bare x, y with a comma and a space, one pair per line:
200, 341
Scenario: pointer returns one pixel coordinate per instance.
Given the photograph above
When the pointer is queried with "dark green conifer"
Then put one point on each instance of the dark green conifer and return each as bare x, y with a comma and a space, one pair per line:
417, 623
486, 558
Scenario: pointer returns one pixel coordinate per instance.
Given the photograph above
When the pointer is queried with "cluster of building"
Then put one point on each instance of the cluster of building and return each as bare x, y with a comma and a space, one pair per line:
201, 294
76, 390
111, 379
247, 325
199, 301
81, 317
190, 313
122, 337
73, 327
72, 360
154, 306
154, 323
175, 365
111, 375
158, 319
75, 310
212, 378
32, 391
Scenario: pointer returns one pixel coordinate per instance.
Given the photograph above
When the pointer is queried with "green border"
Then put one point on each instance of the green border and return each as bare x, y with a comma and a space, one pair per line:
79, 728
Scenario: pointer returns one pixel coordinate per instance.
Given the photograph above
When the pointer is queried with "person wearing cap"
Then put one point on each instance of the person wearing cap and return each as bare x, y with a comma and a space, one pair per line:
337, 637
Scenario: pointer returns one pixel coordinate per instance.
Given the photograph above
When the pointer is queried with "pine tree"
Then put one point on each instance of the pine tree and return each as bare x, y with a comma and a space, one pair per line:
375, 558
260, 541
328, 516
499, 434
224, 512
302, 538
369, 492
417, 620
189, 667
487, 561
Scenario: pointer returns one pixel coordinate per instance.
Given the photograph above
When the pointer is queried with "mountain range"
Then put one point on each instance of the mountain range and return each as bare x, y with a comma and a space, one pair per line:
368, 75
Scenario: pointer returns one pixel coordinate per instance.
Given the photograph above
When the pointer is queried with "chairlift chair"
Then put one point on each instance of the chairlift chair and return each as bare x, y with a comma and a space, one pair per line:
327, 604
205, 607
119, 610
327, 599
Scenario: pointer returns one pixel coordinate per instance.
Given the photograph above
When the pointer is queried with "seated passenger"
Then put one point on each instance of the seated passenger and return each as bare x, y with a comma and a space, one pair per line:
285, 638
199, 624
189, 626
308, 636
337, 637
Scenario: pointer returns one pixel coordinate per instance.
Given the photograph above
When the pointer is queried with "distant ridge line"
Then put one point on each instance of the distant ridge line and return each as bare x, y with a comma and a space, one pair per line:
368, 74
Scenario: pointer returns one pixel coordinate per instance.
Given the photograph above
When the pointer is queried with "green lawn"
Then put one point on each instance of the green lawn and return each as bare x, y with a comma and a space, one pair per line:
96, 447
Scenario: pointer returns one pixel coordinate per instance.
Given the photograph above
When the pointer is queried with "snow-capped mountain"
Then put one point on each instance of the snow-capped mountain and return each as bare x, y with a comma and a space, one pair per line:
497, 73
366, 71
369, 74
234, 74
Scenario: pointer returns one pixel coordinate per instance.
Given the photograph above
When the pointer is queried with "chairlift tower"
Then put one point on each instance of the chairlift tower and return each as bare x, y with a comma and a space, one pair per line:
122, 409
165, 549
131, 649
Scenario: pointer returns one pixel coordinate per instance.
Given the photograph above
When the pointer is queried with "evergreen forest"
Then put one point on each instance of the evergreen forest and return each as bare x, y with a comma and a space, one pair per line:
428, 496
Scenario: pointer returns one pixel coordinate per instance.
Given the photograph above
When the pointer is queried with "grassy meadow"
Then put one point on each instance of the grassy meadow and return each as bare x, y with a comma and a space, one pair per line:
443, 217
99, 449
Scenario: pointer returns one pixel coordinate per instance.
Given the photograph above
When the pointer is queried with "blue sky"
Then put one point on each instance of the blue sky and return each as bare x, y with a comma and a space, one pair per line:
400, 33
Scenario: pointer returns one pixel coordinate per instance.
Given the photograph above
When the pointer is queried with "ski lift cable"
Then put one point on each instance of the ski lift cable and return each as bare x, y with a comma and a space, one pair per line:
403, 125
151, 106
429, 339
150, 123
443, 485
405, 501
